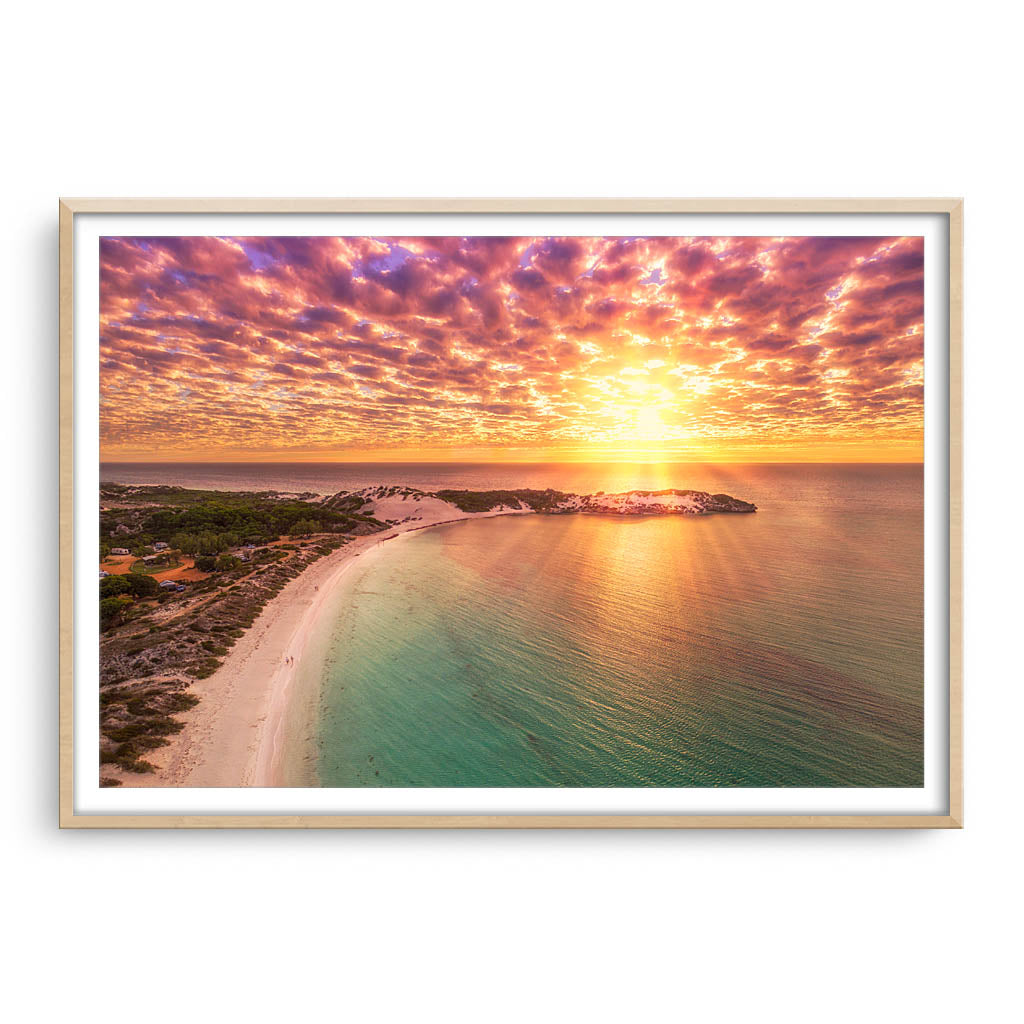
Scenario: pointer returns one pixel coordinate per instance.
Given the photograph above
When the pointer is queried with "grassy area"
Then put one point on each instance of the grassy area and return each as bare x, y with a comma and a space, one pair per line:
152, 569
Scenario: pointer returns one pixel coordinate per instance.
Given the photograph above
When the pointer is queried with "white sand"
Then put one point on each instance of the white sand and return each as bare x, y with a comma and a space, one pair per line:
238, 733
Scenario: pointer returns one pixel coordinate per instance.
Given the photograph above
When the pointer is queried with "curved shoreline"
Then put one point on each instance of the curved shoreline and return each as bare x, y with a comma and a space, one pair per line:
245, 732
237, 736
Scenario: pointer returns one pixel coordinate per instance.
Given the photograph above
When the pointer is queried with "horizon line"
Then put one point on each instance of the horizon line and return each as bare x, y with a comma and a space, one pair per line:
507, 462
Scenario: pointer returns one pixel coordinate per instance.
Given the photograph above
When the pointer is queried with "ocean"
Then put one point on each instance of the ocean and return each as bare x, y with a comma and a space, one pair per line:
783, 648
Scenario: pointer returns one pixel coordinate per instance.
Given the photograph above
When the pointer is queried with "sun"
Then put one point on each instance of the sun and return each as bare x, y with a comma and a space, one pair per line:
649, 425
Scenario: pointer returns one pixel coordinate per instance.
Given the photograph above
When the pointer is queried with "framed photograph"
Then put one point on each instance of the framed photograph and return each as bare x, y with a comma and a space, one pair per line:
510, 513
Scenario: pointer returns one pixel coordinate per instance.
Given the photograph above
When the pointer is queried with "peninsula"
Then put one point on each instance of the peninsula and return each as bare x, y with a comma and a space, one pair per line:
207, 599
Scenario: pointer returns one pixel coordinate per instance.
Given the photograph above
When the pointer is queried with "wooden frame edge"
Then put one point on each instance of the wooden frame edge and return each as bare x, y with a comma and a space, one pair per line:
516, 821
66, 527
956, 500
370, 204
69, 207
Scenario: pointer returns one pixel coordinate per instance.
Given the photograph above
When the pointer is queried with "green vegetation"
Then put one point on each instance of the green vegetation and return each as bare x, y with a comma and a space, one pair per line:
151, 568
484, 501
112, 610
119, 593
269, 554
205, 543
137, 719
208, 522
133, 584
346, 503
152, 649
153, 645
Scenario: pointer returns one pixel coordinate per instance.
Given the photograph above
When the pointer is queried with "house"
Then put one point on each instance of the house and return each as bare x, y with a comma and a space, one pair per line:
160, 546
120, 551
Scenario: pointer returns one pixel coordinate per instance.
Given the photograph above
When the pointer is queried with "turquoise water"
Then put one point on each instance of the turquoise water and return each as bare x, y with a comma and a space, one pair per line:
777, 649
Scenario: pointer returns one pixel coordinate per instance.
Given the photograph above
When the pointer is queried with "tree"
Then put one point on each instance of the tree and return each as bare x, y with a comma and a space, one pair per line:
226, 561
210, 543
113, 586
112, 609
140, 585
185, 542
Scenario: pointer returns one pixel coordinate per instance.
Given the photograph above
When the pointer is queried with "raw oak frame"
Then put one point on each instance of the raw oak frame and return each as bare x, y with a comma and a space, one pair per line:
952, 208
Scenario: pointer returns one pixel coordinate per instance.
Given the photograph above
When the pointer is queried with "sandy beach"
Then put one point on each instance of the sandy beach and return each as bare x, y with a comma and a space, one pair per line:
241, 733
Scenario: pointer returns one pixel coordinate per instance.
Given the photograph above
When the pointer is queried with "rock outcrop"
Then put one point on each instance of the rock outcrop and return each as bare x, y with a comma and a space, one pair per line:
651, 503
390, 502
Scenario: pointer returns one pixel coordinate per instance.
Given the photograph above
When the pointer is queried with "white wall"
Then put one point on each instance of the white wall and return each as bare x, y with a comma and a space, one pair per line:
526, 99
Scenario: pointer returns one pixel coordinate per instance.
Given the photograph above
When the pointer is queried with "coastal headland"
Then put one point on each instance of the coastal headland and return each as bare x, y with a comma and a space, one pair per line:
215, 597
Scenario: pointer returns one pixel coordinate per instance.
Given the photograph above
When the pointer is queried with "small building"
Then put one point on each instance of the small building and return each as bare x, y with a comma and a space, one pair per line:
120, 551
103, 573
160, 546
170, 584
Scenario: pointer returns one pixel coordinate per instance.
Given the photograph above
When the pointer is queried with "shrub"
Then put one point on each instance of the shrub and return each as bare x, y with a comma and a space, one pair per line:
140, 585
113, 586
180, 702
207, 668
112, 610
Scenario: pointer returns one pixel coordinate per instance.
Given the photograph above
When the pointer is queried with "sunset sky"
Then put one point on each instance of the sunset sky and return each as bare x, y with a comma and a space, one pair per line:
520, 349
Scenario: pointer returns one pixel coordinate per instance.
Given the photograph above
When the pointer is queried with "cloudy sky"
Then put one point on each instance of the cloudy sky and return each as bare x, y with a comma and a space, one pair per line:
526, 349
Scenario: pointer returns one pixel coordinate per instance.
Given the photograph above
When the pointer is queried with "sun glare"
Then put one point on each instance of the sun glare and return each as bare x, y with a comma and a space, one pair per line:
362, 348
649, 425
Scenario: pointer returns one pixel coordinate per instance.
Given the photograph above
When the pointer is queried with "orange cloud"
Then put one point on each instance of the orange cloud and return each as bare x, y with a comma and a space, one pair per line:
315, 347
